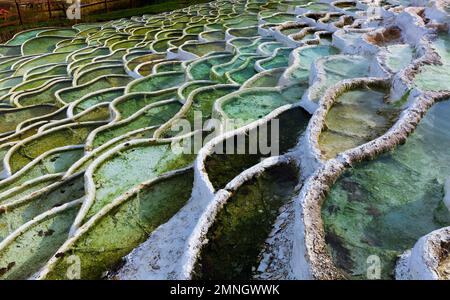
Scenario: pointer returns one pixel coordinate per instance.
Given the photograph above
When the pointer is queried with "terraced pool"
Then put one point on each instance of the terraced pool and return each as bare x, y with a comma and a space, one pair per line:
198, 143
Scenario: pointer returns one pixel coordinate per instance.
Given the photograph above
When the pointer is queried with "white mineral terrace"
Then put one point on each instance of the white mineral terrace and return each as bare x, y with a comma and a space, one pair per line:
91, 117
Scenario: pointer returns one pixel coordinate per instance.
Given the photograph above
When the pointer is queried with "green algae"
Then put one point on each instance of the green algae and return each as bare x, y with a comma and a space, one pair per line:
253, 48
89, 53
154, 115
244, 72
253, 104
158, 159
108, 81
279, 60
26, 152
201, 69
157, 82
124, 226
7, 62
45, 95
191, 86
213, 36
9, 82
41, 45
124, 44
70, 48
383, 207
202, 49
38, 121
218, 71
269, 47
201, 106
93, 66
39, 61
280, 18
16, 195
10, 118
61, 32
102, 96
34, 84
23, 36
100, 112
244, 32
146, 69
90, 75
169, 66
241, 42
161, 46
132, 102
265, 79
180, 41
141, 133
56, 70
29, 251
241, 227
56, 162
134, 38
9, 50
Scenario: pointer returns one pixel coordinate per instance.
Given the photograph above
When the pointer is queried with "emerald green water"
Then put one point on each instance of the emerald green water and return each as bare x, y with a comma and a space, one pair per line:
382, 207
266, 79
153, 116
251, 105
357, 117
244, 72
240, 228
202, 49
399, 56
270, 47
202, 104
280, 18
44, 95
306, 57
104, 82
10, 118
125, 226
220, 69
192, 86
131, 103
280, 60
74, 135
20, 38
113, 74
173, 66
40, 45
54, 163
157, 82
201, 70
29, 252
104, 96
93, 74
158, 159
339, 68
60, 69
426, 79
